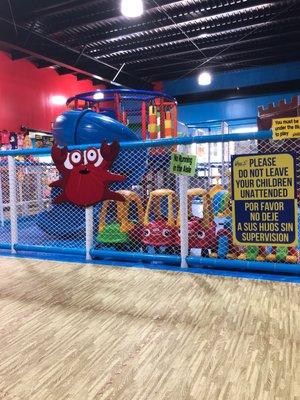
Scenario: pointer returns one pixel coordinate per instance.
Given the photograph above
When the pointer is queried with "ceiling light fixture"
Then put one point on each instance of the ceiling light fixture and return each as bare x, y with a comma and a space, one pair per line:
132, 8
98, 96
204, 78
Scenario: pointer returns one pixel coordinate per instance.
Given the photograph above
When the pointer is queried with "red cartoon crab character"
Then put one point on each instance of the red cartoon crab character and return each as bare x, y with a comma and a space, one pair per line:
85, 175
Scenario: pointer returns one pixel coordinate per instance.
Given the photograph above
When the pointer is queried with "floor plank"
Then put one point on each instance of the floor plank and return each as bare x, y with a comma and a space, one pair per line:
72, 331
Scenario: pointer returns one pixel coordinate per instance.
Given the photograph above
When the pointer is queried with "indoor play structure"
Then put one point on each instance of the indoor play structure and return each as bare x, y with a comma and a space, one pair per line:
147, 114
117, 114
156, 215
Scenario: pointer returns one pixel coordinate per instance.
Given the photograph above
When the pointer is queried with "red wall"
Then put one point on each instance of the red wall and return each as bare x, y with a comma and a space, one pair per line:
25, 94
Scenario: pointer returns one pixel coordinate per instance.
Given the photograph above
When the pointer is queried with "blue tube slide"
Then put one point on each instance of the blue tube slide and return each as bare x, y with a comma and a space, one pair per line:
84, 127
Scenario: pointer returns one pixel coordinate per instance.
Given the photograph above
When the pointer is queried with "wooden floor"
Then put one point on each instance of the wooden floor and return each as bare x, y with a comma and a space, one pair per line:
83, 332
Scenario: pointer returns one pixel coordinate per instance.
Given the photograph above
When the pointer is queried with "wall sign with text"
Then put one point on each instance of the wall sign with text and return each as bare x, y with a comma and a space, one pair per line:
264, 201
286, 128
183, 164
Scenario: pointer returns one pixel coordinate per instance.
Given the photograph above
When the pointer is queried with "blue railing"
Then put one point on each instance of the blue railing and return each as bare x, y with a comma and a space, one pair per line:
231, 137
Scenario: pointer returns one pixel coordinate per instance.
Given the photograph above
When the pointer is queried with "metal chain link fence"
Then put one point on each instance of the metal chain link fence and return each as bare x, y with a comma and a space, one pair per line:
210, 202
4, 202
149, 219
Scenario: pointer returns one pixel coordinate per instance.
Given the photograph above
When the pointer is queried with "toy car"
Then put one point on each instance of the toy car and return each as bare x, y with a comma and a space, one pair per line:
125, 221
160, 228
202, 231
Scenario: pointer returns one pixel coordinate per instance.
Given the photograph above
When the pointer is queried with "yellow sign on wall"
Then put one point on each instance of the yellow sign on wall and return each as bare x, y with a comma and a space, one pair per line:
286, 128
264, 202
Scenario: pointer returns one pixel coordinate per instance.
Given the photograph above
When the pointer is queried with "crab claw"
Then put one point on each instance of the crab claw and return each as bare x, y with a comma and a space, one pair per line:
59, 155
110, 151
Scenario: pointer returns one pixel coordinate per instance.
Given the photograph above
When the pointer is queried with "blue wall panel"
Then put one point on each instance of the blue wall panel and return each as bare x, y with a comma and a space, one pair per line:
227, 80
231, 109
228, 109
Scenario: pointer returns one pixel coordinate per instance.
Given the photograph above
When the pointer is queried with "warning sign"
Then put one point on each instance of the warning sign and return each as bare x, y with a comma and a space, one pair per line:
264, 202
183, 164
286, 128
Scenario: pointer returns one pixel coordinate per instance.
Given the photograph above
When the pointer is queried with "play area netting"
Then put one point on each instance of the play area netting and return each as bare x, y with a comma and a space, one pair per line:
165, 217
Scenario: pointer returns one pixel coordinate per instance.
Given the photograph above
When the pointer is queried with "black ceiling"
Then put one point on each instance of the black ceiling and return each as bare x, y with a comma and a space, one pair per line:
172, 39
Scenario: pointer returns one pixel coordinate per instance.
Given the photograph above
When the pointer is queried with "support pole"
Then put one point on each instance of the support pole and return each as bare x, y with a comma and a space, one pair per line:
162, 120
144, 120
183, 207
174, 121
224, 130
117, 105
89, 230
12, 174
209, 166
1, 202
223, 166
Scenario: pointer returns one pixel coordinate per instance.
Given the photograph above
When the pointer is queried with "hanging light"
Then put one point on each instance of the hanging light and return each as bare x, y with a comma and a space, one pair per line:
98, 96
204, 78
132, 8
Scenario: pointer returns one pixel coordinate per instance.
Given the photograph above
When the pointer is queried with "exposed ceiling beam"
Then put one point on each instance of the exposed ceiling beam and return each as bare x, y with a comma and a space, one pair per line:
42, 63
186, 51
81, 77
18, 55
234, 35
63, 71
282, 47
54, 52
96, 82
46, 8
108, 15
120, 31
246, 22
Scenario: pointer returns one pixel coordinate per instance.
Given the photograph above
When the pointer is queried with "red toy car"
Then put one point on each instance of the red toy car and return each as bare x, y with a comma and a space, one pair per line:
162, 231
159, 233
201, 236
201, 231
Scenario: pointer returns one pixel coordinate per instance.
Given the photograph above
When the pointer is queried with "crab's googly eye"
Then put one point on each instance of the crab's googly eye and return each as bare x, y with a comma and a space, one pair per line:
99, 159
76, 157
147, 232
200, 235
166, 233
92, 155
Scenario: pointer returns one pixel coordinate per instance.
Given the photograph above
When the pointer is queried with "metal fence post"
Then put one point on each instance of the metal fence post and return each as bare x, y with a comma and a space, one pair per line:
89, 231
12, 174
183, 207
1, 203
